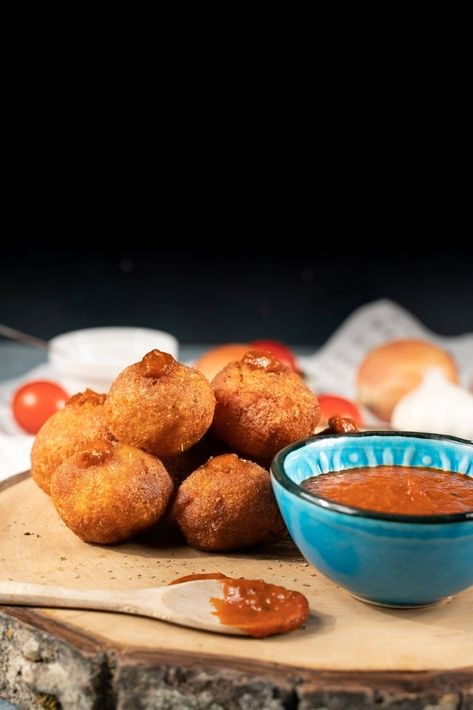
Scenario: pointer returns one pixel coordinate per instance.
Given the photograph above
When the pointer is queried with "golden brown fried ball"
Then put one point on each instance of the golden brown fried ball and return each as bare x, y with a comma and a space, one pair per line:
180, 466
226, 505
65, 433
262, 406
211, 362
160, 405
108, 491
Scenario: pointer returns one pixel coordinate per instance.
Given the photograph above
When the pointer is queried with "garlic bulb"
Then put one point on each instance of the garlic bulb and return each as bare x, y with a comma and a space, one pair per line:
436, 406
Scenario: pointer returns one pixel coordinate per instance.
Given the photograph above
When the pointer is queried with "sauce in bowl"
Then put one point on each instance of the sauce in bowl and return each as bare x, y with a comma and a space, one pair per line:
399, 490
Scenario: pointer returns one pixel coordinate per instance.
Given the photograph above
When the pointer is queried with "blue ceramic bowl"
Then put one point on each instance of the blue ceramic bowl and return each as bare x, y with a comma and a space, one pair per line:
393, 560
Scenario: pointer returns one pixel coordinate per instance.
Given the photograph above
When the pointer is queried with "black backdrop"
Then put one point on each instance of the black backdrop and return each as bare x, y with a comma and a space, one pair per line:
207, 295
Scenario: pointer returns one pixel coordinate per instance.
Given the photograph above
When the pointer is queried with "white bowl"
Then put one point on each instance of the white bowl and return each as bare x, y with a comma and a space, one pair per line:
93, 357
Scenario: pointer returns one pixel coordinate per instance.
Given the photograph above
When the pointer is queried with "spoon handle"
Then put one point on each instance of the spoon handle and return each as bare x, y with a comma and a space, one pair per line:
21, 337
43, 595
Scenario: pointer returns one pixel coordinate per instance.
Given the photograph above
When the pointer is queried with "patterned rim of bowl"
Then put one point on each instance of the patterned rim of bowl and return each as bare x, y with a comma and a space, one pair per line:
277, 469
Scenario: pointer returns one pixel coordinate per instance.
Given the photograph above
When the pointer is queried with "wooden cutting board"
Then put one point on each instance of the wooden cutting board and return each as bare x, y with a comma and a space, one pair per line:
342, 635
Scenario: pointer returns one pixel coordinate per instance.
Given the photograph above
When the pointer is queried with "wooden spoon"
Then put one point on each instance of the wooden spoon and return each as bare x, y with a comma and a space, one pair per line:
211, 601
186, 604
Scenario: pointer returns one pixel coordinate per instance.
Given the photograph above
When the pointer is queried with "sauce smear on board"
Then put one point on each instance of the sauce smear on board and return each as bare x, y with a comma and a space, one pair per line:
400, 490
258, 608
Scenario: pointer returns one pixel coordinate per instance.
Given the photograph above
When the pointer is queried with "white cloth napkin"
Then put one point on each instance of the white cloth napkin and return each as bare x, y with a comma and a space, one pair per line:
14, 454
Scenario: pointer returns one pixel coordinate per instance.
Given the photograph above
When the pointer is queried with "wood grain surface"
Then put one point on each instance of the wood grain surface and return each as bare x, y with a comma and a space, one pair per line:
343, 639
342, 633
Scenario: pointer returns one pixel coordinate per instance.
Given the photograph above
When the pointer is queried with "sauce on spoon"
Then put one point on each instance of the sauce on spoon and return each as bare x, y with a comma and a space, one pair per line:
258, 608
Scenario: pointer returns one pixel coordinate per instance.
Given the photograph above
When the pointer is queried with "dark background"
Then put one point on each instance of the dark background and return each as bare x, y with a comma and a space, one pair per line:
290, 293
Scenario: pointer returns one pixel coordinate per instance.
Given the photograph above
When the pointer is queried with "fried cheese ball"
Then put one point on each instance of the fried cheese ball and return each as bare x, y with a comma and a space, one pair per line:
262, 406
227, 504
160, 405
109, 492
65, 433
180, 466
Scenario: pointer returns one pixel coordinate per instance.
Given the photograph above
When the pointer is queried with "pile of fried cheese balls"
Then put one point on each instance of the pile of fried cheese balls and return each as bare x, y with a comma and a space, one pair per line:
165, 444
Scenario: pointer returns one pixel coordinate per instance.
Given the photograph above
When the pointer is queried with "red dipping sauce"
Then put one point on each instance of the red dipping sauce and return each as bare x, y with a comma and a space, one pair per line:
258, 608
402, 490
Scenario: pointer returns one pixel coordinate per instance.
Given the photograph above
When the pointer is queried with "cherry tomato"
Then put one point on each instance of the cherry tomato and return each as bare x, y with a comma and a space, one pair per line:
331, 405
34, 402
279, 350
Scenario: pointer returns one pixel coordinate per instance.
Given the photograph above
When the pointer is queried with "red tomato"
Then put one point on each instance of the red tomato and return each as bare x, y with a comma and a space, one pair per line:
34, 402
279, 350
331, 405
